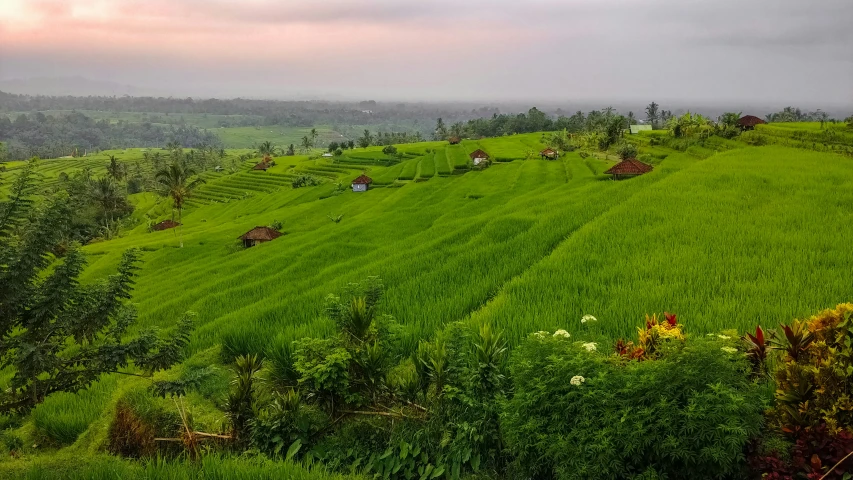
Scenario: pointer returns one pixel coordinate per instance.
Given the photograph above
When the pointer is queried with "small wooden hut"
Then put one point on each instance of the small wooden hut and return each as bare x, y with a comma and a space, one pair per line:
261, 166
748, 122
477, 156
362, 183
454, 140
165, 225
549, 154
259, 235
630, 167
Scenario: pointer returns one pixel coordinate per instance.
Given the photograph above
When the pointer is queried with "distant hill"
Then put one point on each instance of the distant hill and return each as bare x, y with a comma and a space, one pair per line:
75, 86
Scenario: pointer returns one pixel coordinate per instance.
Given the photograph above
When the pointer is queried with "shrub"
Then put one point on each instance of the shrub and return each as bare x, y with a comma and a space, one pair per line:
627, 150
583, 155
305, 181
390, 150
814, 380
687, 414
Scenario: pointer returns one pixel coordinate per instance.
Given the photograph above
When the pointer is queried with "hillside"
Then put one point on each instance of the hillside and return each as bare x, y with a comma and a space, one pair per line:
726, 236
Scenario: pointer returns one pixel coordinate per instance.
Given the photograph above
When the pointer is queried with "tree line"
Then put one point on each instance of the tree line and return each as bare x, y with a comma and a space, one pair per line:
50, 136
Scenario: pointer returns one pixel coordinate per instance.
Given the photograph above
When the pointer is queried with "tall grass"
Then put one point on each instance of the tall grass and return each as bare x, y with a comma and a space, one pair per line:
62, 417
210, 467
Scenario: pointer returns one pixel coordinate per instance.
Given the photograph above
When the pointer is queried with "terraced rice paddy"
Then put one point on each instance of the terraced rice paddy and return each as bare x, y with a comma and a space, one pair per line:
745, 236
731, 239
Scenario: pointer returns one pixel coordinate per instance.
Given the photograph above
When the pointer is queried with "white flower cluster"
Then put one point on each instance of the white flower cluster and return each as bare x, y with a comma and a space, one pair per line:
729, 349
590, 346
541, 334
588, 318
577, 380
724, 337
562, 333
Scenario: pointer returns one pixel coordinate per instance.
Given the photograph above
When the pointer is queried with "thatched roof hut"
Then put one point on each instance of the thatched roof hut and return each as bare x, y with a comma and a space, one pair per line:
748, 122
165, 225
259, 235
630, 167
549, 153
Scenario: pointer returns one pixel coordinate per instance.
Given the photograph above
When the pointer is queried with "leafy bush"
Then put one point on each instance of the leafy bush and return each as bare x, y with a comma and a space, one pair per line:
305, 181
687, 414
389, 150
816, 376
627, 150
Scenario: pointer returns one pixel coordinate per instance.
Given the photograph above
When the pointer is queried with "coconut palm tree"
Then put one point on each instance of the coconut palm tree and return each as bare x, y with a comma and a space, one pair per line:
267, 149
313, 136
174, 182
105, 192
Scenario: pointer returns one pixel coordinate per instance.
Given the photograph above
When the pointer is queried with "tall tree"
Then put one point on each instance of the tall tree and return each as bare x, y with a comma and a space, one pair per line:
116, 169
306, 144
313, 137
55, 334
109, 197
176, 182
267, 149
652, 114
365, 139
440, 129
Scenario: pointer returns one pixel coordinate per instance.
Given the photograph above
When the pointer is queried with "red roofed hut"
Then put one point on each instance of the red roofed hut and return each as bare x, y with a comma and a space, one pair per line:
478, 156
549, 153
630, 167
261, 166
362, 183
165, 225
259, 235
749, 122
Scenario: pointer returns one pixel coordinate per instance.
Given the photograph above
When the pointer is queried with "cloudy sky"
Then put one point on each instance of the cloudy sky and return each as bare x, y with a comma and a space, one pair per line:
788, 51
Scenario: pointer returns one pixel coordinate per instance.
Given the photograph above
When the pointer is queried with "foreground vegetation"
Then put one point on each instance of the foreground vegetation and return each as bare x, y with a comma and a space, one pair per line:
491, 346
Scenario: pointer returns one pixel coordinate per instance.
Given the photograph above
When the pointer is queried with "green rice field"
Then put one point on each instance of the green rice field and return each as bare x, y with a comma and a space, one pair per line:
727, 237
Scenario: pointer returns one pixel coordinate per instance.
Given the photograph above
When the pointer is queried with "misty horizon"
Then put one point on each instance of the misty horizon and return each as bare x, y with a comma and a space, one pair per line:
578, 52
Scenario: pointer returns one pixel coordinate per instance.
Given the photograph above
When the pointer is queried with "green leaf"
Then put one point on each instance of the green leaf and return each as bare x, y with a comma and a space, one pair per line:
404, 450
293, 450
437, 472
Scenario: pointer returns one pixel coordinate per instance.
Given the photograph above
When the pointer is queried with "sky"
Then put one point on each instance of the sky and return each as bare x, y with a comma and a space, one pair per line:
760, 51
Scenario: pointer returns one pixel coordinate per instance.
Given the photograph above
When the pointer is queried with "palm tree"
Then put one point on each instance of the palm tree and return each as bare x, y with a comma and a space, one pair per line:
267, 149
313, 136
174, 182
115, 169
105, 192
306, 144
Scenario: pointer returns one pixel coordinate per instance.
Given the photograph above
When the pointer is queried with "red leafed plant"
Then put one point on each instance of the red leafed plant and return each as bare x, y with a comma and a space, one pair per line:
797, 339
757, 350
817, 451
670, 319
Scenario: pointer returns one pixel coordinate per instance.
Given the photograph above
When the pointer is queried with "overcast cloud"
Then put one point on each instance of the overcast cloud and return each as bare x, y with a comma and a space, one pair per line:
760, 51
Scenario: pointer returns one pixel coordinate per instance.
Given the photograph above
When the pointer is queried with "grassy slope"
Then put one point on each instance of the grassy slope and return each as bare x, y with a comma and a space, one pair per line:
750, 235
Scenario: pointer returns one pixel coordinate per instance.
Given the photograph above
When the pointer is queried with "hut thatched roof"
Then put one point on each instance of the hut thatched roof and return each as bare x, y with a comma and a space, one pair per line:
165, 225
261, 234
749, 121
629, 166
